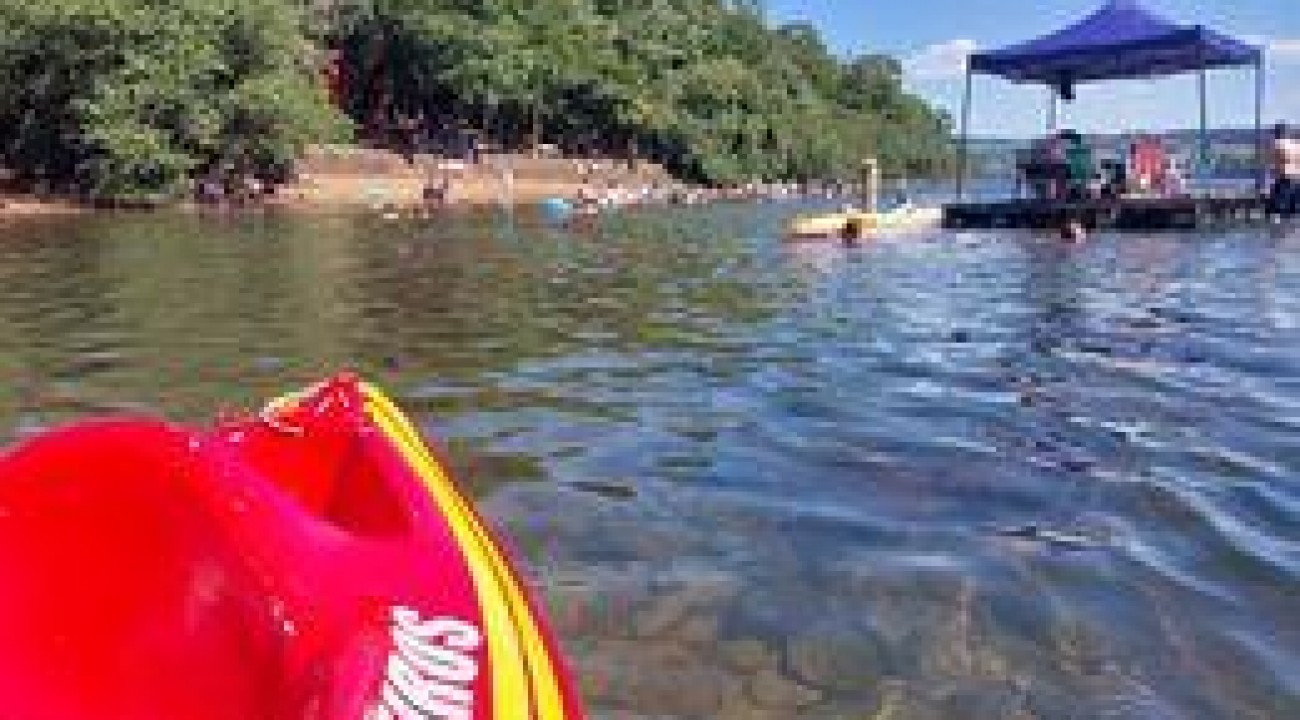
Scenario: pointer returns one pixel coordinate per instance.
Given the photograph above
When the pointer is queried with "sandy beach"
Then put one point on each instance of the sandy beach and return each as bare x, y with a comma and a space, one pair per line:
323, 192
352, 179
349, 177
25, 206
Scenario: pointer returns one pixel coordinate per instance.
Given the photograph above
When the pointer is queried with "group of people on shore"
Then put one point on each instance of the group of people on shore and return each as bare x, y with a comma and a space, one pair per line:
596, 193
616, 195
232, 190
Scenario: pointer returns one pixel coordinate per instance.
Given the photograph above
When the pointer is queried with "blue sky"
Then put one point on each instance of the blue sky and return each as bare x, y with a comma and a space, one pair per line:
933, 37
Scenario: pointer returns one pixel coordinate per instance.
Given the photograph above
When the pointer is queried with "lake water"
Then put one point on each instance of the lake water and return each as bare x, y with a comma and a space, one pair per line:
947, 476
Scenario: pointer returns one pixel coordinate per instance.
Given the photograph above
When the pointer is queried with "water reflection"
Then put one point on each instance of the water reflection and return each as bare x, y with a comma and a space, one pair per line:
757, 480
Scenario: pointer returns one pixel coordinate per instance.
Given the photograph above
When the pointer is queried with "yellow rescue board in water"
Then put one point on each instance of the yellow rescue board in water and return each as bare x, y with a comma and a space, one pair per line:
860, 223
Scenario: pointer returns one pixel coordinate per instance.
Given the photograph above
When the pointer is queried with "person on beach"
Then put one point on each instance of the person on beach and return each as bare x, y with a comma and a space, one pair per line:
435, 196
1284, 161
208, 190
587, 201
406, 138
508, 183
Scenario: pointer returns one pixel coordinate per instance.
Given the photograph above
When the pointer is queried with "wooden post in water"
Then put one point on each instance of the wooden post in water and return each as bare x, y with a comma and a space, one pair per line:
870, 178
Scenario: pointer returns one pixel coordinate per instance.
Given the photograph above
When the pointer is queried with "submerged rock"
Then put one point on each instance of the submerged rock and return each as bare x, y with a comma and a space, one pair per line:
986, 700
834, 663
660, 677
662, 615
699, 630
704, 592
771, 689
749, 655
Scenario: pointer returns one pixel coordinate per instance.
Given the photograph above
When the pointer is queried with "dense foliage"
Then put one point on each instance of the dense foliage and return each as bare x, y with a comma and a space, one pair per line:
129, 98
705, 86
137, 97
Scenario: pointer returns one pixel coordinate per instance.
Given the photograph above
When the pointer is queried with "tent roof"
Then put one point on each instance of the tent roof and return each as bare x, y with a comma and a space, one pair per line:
1121, 40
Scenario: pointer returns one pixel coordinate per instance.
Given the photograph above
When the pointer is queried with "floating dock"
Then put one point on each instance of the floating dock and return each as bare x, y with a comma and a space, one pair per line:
1179, 213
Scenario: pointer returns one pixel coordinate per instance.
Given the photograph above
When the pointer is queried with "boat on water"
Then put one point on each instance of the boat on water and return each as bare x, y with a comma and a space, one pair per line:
312, 562
856, 224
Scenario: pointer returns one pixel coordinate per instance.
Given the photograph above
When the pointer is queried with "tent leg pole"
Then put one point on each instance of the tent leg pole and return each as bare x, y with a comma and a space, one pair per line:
1260, 176
1203, 159
1051, 110
963, 149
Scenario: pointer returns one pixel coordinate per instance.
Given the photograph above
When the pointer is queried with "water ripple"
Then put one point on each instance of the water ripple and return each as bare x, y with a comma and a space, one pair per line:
961, 475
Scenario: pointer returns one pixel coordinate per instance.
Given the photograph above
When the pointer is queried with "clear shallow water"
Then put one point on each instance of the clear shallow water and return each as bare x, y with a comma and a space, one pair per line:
763, 481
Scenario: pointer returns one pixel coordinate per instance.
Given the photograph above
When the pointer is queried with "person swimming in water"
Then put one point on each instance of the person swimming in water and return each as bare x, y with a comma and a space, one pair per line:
1074, 231
851, 233
1284, 162
902, 201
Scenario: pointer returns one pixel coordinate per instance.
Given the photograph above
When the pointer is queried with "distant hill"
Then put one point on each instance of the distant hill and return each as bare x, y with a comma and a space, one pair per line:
1231, 150
1179, 138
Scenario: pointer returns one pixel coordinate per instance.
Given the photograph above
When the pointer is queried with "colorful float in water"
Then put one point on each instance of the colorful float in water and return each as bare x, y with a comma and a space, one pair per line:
315, 562
851, 224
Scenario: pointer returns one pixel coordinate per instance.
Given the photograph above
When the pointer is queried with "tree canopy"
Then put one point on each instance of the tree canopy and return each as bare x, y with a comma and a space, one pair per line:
121, 97
129, 98
707, 87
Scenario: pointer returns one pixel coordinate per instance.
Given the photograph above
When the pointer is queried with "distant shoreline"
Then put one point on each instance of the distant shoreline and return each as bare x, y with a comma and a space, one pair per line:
320, 194
355, 180
358, 180
18, 205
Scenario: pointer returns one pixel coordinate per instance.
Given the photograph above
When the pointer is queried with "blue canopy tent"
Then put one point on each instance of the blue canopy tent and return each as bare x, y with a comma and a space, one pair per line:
1122, 40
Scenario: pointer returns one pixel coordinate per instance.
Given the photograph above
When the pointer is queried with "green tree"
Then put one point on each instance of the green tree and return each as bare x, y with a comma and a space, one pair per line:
705, 87
123, 97
131, 98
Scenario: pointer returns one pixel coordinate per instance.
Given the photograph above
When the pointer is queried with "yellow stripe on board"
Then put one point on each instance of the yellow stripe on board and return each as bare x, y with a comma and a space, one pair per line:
508, 618
539, 665
536, 661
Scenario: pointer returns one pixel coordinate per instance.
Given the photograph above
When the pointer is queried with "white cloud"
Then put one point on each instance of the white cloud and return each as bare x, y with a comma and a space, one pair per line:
1277, 50
1283, 49
940, 61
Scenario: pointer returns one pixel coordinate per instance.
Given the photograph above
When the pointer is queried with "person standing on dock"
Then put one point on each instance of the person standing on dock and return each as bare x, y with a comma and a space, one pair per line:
1284, 199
